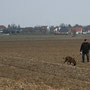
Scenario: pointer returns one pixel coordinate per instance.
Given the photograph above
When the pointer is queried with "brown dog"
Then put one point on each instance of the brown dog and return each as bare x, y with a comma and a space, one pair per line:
70, 60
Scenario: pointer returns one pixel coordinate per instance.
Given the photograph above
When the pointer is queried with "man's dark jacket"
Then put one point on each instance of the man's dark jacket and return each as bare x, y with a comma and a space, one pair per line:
85, 47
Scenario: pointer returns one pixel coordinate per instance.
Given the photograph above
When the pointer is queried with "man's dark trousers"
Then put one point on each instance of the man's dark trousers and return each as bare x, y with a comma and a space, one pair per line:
83, 56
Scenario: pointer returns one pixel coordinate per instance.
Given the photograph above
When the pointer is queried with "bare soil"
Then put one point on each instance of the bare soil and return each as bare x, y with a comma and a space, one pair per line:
39, 65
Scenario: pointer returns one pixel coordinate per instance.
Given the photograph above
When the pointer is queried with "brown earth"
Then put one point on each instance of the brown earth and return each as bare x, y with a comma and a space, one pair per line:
38, 65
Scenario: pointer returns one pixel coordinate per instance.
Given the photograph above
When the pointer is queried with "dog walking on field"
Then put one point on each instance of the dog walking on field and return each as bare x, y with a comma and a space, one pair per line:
70, 60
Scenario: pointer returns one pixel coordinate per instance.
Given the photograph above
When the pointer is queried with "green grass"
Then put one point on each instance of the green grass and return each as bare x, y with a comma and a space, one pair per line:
41, 37
18, 38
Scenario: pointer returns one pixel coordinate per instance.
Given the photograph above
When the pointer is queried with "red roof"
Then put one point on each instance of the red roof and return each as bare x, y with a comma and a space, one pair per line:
2, 26
77, 29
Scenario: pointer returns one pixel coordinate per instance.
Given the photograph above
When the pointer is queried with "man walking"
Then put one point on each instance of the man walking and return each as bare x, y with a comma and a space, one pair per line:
84, 50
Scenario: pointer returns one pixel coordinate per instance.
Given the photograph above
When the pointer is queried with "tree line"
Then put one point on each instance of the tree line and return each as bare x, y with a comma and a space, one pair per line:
16, 29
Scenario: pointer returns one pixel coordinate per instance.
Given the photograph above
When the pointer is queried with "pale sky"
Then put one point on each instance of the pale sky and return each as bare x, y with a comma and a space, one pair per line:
44, 12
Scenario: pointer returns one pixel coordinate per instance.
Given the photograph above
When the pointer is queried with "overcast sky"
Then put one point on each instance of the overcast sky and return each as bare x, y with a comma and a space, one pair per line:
44, 12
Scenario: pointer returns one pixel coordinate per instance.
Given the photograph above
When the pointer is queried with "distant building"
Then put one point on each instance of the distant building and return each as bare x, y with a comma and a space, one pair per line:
2, 27
77, 30
84, 32
64, 30
87, 29
88, 32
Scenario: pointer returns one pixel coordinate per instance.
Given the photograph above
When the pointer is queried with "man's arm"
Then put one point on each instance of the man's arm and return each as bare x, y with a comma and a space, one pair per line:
81, 47
89, 46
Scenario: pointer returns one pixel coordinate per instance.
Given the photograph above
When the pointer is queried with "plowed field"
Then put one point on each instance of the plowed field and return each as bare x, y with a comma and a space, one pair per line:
38, 65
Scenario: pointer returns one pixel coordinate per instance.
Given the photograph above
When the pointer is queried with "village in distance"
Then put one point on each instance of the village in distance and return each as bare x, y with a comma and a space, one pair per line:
62, 29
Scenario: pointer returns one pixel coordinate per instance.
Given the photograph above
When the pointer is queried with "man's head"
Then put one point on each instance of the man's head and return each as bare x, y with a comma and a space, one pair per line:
85, 40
